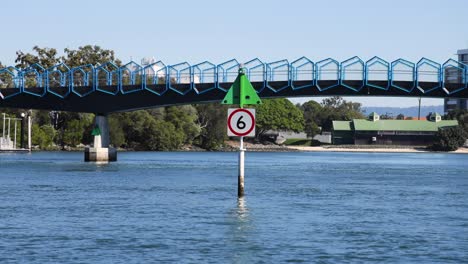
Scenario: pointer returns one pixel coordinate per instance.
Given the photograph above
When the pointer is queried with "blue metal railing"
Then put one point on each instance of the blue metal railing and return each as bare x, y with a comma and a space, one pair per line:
426, 75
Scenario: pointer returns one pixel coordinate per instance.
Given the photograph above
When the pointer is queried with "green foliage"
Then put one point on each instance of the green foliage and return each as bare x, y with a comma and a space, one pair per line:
163, 136
449, 139
278, 114
88, 55
336, 108
42, 135
183, 118
311, 129
386, 116
212, 121
400, 117
88, 124
135, 124
461, 116
73, 134
456, 136
312, 111
116, 132
46, 57
41, 117
6, 80
141, 130
297, 142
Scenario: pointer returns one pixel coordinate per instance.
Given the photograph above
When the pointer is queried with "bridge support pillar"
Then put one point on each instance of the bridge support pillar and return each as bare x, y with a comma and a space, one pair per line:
101, 152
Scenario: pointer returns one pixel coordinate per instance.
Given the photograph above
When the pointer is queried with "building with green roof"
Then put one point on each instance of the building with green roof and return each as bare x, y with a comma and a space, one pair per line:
389, 132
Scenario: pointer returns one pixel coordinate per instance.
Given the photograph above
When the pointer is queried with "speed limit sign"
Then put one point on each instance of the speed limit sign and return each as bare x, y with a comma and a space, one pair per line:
241, 122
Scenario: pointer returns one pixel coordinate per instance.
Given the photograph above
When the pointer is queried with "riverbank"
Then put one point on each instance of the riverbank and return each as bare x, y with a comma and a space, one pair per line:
397, 149
233, 145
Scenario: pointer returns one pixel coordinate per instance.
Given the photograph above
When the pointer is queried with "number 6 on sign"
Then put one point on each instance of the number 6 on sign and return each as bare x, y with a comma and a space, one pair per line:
241, 122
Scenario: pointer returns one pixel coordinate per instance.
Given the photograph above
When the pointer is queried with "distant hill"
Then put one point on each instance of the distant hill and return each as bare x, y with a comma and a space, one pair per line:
406, 111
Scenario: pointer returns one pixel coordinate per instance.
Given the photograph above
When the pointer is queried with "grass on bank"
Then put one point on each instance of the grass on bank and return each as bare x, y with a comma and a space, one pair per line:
297, 142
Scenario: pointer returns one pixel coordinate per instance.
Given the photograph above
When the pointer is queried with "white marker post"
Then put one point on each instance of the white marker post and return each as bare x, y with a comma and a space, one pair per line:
240, 179
29, 132
241, 123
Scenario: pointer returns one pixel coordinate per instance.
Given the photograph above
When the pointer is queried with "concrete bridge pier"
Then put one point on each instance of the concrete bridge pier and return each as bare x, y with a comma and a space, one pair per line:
100, 152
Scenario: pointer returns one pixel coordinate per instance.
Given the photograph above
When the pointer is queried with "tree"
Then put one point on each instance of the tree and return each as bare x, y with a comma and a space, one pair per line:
212, 121
311, 110
449, 139
386, 116
461, 116
116, 132
134, 124
5, 78
184, 120
278, 114
73, 133
336, 108
400, 117
88, 55
42, 135
162, 135
46, 57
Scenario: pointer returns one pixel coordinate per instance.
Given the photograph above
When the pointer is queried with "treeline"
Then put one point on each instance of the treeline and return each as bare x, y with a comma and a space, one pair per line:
176, 127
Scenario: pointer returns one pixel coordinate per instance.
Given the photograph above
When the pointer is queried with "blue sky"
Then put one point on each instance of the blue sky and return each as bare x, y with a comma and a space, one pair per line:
194, 31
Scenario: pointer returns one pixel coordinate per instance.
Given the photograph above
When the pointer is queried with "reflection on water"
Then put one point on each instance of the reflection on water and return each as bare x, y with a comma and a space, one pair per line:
242, 210
243, 235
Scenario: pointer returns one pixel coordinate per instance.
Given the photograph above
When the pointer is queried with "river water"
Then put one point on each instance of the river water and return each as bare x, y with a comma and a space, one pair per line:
166, 207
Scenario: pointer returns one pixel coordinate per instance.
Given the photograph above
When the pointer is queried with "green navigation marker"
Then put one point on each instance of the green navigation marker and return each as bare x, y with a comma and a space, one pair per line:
242, 92
96, 131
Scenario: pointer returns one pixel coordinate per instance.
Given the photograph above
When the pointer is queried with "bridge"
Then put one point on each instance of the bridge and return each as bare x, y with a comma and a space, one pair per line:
107, 87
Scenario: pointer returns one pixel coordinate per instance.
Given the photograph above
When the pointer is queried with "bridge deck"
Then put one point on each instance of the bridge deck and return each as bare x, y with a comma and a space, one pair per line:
101, 102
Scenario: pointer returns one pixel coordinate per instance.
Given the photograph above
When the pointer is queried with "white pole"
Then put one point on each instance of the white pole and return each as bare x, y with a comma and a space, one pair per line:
4, 126
14, 144
240, 186
29, 132
9, 119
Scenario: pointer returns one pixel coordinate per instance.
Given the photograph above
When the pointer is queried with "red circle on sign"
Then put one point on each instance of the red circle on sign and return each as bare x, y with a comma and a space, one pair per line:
249, 130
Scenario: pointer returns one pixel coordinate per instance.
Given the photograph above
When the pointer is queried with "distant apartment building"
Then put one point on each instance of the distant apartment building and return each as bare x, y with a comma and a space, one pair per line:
451, 103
